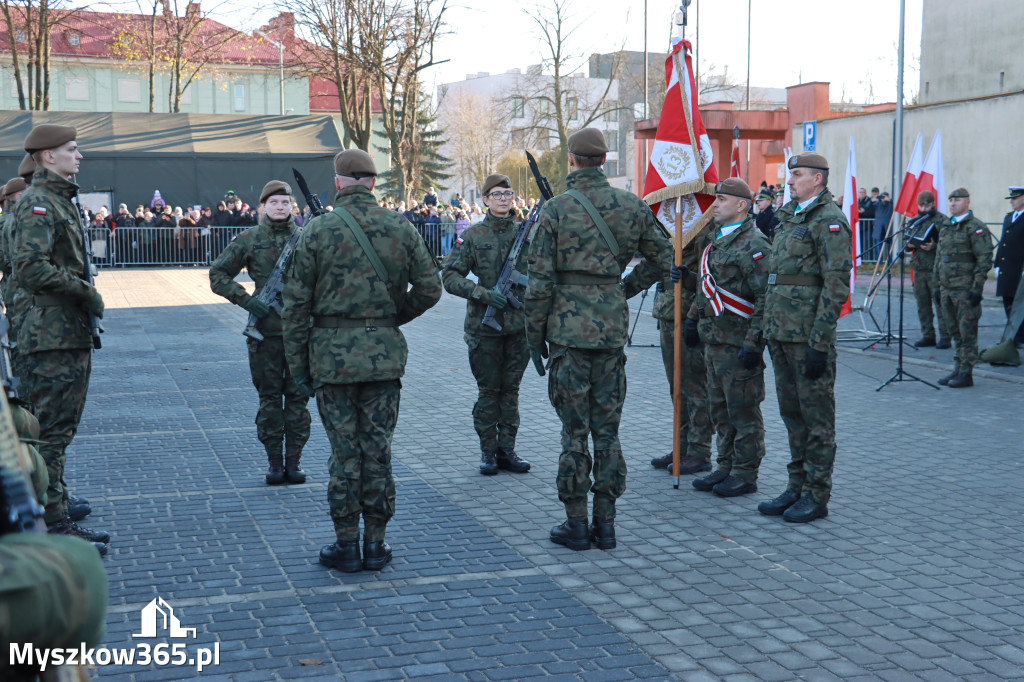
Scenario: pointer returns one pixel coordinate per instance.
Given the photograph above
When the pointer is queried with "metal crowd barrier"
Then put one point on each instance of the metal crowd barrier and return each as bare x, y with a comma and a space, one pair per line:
149, 246
439, 237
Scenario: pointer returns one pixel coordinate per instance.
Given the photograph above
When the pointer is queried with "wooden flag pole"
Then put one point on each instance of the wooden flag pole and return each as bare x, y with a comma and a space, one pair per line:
677, 345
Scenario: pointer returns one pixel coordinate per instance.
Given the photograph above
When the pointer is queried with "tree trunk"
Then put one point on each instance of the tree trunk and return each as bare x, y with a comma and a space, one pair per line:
14, 54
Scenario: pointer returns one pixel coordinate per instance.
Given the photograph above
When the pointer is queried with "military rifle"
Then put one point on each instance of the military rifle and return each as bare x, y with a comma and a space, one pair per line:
509, 276
7, 378
20, 511
271, 292
313, 200
90, 272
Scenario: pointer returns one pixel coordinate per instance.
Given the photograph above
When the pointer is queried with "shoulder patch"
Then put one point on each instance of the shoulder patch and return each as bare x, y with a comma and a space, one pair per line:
834, 227
981, 231
758, 256
39, 210
459, 240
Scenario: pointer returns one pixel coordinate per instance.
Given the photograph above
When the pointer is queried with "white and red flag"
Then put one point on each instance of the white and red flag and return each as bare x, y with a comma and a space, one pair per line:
933, 177
734, 166
907, 201
850, 210
682, 163
786, 193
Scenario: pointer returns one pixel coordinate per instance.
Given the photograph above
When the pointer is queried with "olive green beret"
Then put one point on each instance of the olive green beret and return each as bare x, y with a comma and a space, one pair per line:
275, 187
926, 197
808, 160
588, 142
48, 136
496, 180
354, 163
734, 187
13, 186
27, 167
960, 193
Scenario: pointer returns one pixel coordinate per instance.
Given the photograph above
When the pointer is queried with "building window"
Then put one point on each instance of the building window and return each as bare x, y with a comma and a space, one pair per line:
76, 88
74, 38
14, 86
186, 96
129, 90
20, 36
613, 140
239, 98
571, 107
611, 168
518, 107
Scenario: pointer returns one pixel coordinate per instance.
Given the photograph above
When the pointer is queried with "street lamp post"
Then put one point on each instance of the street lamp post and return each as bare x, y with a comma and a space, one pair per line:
280, 64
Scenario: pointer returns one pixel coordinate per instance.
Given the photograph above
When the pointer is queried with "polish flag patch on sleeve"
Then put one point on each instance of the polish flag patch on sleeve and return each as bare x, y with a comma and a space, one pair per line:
981, 231
758, 256
39, 210
834, 228
458, 240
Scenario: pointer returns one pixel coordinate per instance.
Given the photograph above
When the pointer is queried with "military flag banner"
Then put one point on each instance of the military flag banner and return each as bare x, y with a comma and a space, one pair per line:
933, 177
682, 164
850, 210
786, 195
907, 201
734, 166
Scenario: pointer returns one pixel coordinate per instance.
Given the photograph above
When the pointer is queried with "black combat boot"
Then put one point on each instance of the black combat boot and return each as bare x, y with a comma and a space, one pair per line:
691, 465
944, 343
343, 556
376, 555
925, 342
962, 380
275, 469
292, 471
510, 461
572, 533
733, 486
806, 510
706, 483
944, 381
602, 533
68, 527
78, 508
489, 462
662, 462
777, 506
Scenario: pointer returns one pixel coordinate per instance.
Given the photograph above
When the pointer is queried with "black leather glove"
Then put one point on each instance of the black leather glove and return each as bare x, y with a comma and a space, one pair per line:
749, 359
677, 272
537, 354
938, 297
974, 298
690, 334
814, 363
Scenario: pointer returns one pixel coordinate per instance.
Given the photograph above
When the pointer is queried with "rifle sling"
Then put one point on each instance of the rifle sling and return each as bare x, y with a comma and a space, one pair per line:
602, 226
364, 243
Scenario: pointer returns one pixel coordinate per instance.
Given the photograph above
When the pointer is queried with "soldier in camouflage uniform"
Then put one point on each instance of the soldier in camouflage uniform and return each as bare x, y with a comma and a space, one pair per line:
346, 295
54, 302
257, 249
733, 275
922, 260
809, 280
576, 311
694, 419
497, 358
962, 261
9, 196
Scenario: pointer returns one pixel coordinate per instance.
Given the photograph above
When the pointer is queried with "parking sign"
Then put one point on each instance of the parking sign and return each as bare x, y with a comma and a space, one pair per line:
810, 132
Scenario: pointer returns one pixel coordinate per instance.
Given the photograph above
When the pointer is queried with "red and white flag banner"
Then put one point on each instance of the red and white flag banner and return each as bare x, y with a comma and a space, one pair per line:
734, 167
850, 210
682, 162
933, 177
907, 201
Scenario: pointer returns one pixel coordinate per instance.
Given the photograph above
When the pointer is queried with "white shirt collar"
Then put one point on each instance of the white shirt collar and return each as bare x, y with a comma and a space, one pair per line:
804, 204
1016, 214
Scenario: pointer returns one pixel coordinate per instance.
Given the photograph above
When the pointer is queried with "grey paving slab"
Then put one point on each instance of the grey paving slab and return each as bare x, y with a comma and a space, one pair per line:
916, 573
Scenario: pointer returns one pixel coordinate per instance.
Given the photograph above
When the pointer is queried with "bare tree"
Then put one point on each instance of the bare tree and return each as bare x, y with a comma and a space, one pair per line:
31, 23
348, 37
476, 138
135, 41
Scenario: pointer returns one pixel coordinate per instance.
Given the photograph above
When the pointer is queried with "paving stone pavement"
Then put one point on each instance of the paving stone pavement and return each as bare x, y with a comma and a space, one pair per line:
915, 575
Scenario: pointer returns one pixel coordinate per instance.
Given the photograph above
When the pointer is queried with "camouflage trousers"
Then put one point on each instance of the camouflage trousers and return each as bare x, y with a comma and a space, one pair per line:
587, 389
735, 395
282, 413
925, 286
808, 408
695, 425
53, 591
964, 319
498, 363
55, 383
360, 420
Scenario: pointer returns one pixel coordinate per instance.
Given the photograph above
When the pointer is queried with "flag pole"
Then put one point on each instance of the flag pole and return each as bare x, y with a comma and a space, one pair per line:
677, 346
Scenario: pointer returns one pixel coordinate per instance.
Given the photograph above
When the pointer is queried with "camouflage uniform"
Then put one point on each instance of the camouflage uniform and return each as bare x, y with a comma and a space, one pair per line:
356, 370
586, 325
738, 262
694, 419
962, 261
926, 282
814, 244
54, 336
257, 250
497, 359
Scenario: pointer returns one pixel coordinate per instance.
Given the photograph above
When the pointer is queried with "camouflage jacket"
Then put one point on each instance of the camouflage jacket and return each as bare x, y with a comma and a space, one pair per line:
49, 266
329, 275
257, 250
665, 296
739, 263
6, 222
483, 249
964, 254
921, 260
816, 242
567, 241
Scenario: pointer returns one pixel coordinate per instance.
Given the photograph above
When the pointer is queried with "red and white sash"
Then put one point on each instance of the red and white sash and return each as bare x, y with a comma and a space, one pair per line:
719, 298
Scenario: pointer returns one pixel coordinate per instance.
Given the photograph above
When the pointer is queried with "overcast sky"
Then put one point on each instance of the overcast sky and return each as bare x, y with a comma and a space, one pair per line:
849, 43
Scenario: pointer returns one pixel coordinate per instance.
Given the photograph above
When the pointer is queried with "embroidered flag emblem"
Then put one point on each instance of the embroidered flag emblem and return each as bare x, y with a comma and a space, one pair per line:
981, 231
39, 210
834, 228
458, 240
758, 256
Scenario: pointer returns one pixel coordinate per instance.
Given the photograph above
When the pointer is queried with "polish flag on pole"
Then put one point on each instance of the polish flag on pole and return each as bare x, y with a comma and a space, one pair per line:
933, 178
907, 201
734, 167
786, 195
852, 215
